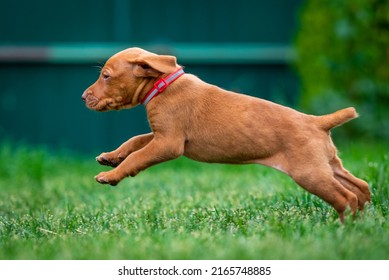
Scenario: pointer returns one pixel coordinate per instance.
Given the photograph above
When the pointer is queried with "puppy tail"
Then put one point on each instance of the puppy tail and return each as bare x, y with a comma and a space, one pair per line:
337, 118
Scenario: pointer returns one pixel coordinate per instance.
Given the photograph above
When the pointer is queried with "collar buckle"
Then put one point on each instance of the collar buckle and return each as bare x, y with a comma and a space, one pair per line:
161, 85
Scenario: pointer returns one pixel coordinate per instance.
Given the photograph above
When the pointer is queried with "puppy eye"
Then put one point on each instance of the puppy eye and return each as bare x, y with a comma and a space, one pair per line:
105, 77
145, 66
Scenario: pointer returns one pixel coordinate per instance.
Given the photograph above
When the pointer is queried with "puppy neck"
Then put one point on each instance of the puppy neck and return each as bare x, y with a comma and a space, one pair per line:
142, 90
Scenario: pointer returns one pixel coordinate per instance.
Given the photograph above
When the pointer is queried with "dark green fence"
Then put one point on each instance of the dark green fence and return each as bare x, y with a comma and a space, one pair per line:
48, 50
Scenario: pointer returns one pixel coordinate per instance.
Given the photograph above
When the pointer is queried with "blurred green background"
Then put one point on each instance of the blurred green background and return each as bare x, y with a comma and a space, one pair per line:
343, 59
316, 56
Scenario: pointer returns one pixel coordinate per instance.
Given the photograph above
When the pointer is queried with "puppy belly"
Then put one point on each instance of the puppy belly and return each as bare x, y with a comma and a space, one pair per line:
214, 153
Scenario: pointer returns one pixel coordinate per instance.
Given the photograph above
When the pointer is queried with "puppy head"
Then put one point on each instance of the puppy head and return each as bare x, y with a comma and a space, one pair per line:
125, 77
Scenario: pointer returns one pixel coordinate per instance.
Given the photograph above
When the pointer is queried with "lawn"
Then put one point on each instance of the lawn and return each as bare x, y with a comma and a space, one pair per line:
51, 208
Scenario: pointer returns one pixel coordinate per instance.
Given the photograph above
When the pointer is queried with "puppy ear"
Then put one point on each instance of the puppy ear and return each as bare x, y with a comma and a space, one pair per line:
142, 70
152, 65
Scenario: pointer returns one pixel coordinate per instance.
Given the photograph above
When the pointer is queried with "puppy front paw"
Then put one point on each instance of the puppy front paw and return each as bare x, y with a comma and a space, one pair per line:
109, 159
109, 178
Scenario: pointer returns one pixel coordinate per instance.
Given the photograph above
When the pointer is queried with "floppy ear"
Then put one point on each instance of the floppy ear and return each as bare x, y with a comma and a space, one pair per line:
151, 65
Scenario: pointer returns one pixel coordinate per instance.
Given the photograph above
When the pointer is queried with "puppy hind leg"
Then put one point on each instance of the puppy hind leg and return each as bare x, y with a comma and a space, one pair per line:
359, 187
325, 186
362, 198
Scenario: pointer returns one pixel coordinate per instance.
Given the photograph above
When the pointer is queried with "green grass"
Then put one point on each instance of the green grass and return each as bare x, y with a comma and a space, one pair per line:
51, 208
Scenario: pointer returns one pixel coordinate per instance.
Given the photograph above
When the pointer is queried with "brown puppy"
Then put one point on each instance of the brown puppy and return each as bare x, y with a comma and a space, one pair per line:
206, 123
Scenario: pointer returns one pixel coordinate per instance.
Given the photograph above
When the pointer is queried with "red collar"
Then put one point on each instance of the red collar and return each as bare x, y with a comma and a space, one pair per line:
161, 85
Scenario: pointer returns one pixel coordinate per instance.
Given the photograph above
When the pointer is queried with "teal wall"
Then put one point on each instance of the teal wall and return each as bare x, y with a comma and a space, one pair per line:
46, 21
48, 50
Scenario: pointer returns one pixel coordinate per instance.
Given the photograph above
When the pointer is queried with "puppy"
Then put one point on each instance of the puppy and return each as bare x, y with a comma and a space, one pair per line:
206, 123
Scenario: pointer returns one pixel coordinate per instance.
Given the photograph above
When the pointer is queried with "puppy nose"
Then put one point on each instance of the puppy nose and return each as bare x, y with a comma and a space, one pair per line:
84, 95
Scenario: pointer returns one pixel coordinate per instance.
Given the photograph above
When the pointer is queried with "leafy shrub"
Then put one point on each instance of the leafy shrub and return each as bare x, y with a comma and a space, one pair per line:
343, 60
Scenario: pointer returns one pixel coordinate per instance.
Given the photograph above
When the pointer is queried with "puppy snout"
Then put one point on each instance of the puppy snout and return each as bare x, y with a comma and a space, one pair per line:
85, 95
